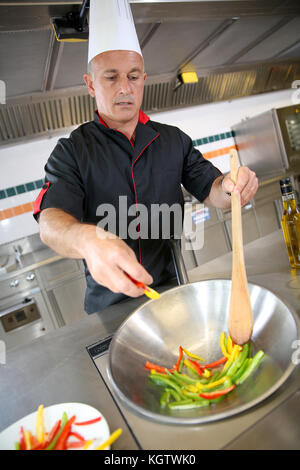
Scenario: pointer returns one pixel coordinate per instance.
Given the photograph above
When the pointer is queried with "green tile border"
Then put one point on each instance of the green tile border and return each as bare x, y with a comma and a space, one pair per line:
21, 189
212, 138
37, 184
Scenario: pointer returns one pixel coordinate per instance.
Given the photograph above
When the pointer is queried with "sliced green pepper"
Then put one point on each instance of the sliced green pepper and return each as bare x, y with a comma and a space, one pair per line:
64, 421
251, 367
240, 371
166, 382
239, 361
165, 398
187, 404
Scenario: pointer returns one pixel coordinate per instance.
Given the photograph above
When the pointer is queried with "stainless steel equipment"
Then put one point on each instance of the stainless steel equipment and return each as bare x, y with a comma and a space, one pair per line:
194, 315
24, 315
270, 142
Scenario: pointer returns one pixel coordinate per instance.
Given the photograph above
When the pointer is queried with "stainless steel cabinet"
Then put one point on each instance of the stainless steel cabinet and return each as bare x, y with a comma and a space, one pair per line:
67, 301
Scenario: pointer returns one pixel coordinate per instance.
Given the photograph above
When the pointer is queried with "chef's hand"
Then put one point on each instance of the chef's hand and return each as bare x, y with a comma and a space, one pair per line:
246, 184
107, 257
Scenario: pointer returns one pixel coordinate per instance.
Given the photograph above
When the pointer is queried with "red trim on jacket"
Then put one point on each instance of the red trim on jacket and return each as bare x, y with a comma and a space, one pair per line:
143, 118
38, 201
135, 193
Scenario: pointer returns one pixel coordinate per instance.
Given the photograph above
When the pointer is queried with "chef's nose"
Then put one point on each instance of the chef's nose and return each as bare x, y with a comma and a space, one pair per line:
125, 86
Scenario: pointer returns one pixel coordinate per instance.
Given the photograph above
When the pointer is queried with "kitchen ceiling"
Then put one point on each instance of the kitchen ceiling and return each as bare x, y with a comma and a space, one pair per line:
238, 48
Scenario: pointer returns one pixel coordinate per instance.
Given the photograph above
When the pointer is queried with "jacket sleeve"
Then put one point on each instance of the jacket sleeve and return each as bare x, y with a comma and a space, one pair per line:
198, 173
63, 188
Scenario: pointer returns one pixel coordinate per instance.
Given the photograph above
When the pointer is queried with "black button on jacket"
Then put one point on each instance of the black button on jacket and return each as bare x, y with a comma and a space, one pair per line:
96, 165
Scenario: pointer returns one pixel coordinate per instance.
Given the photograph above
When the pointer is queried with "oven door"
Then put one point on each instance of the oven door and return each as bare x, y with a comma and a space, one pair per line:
24, 318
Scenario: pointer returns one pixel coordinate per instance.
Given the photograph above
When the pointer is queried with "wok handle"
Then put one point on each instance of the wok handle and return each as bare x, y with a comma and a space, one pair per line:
180, 269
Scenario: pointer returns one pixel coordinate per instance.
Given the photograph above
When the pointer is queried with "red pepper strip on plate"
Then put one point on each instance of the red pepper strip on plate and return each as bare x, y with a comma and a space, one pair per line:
176, 367
77, 435
75, 444
218, 393
215, 363
161, 369
51, 435
91, 421
22, 439
60, 445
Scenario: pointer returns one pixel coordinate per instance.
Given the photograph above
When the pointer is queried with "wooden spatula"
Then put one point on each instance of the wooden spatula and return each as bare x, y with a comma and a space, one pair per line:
240, 321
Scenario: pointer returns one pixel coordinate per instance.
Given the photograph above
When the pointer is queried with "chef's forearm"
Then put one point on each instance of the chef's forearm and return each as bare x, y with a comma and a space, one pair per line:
217, 196
63, 233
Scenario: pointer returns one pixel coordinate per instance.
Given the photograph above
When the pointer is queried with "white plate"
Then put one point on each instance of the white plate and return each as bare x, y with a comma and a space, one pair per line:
99, 430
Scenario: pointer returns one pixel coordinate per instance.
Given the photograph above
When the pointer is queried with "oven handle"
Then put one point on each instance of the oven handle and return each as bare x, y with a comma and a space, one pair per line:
16, 307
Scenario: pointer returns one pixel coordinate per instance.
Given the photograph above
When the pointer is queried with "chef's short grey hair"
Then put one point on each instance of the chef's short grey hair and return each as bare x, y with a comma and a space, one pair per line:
90, 70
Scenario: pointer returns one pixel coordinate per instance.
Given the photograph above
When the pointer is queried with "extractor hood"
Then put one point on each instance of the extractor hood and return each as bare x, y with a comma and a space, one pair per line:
238, 48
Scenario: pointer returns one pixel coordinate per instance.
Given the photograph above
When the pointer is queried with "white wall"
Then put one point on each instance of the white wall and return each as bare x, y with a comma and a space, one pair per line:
24, 163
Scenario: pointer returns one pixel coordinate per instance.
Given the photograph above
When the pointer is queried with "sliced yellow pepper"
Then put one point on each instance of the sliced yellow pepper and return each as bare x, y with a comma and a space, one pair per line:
39, 426
112, 438
223, 347
229, 345
87, 444
193, 388
27, 439
206, 373
199, 386
188, 353
216, 383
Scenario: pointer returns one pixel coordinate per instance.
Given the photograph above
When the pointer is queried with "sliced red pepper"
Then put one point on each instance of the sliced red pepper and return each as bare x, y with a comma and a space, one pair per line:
199, 369
22, 439
75, 444
215, 363
91, 421
218, 393
51, 435
176, 367
77, 435
60, 445
161, 369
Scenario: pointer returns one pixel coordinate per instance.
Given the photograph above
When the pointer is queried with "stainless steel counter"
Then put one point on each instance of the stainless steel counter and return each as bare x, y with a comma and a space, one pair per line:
57, 368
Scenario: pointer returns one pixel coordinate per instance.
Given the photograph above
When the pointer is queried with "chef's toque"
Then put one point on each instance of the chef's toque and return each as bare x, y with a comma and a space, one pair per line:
111, 27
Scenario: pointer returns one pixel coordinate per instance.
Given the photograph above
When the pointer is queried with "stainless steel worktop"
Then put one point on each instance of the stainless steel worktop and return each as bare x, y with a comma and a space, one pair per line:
57, 368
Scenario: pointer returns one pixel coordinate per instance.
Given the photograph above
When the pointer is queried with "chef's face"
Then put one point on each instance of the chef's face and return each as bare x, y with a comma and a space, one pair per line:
117, 84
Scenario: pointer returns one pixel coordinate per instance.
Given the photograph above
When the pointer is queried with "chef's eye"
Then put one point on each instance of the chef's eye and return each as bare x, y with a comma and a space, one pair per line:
110, 77
133, 77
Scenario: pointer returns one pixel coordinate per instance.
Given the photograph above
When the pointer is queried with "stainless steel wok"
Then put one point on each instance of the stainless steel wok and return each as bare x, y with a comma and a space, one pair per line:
194, 315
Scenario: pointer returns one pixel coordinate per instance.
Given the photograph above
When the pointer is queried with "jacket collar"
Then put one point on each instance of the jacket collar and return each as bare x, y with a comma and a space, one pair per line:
143, 118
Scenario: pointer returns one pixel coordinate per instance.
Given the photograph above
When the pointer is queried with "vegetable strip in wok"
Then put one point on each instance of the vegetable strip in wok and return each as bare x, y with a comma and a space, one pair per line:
190, 384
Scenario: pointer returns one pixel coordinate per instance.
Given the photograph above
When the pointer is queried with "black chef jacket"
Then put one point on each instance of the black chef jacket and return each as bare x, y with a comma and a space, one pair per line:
97, 164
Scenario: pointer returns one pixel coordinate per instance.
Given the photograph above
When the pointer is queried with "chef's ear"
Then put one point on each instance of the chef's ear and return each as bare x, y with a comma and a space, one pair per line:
90, 84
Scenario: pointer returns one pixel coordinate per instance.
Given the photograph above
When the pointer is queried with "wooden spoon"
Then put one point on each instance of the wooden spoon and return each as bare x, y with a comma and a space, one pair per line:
240, 322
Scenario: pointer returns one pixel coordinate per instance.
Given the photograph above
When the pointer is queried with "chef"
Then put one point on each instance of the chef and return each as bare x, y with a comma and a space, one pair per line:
122, 155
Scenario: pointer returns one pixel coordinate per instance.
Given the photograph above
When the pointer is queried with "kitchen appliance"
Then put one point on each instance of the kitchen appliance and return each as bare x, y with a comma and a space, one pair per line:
24, 314
193, 316
269, 143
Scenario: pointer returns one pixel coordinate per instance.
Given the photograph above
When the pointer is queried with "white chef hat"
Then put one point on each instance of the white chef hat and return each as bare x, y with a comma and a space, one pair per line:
111, 27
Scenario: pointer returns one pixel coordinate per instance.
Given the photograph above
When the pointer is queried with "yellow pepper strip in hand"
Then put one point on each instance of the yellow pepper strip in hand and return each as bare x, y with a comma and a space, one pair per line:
27, 439
188, 353
87, 444
113, 437
39, 426
222, 344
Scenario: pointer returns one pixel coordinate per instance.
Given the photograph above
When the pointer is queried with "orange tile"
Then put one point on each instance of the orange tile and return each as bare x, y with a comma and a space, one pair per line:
18, 210
27, 207
8, 213
1, 215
